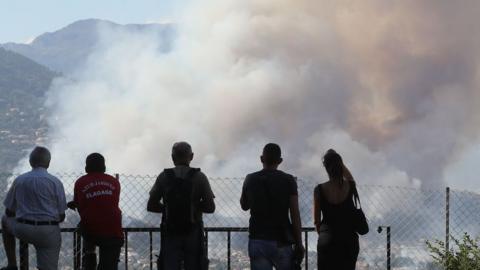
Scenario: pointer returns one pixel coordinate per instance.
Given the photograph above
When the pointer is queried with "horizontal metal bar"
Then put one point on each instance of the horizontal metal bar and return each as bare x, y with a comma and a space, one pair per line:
209, 229
149, 230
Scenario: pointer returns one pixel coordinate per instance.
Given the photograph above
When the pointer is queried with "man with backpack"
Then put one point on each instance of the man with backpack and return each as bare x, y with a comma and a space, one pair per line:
271, 196
182, 194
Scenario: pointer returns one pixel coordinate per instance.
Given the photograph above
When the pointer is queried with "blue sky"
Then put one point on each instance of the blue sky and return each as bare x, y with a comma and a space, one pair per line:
22, 20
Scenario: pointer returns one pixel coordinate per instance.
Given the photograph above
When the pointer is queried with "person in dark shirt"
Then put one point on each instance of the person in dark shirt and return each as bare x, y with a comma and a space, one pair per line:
271, 195
96, 196
337, 247
188, 245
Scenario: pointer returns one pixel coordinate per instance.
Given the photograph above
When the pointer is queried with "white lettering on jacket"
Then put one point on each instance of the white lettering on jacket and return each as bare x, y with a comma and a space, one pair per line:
97, 183
98, 193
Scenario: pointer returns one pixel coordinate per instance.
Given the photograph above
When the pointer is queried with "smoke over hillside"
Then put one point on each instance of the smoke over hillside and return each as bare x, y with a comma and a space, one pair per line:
393, 85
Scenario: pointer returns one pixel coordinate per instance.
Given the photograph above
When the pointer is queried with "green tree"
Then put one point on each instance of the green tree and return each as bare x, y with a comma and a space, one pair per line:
465, 255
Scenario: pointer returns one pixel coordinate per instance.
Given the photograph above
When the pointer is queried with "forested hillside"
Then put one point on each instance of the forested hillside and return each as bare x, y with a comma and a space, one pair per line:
23, 84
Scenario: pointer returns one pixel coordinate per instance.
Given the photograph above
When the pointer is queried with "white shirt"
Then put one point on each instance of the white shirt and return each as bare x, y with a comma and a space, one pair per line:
36, 195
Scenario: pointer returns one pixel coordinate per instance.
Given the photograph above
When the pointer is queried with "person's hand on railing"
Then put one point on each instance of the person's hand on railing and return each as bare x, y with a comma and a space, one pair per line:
72, 205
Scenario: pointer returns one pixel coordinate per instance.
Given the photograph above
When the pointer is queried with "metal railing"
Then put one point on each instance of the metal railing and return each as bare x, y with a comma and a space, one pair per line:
415, 216
78, 252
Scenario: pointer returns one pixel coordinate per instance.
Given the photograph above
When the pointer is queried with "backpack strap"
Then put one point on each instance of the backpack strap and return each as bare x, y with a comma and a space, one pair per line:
192, 172
170, 173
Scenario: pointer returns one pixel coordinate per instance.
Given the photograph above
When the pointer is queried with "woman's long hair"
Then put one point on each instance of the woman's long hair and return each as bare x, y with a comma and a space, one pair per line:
333, 164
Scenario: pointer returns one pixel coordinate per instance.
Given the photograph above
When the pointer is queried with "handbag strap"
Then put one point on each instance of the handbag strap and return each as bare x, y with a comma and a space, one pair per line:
356, 198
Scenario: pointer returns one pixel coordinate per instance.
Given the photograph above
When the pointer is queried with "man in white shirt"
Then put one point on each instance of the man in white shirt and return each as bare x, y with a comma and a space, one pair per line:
34, 206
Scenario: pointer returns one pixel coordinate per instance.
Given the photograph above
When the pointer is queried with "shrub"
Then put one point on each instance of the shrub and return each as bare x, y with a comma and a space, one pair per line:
465, 255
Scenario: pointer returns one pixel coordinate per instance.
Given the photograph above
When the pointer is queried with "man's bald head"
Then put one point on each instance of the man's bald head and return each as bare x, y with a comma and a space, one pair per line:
182, 153
40, 157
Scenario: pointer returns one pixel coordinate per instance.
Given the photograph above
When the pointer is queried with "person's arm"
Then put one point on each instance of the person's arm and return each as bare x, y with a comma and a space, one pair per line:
317, 213
9, 213
347, 175
297, 226
207, 203
61, 201
154, 205
10, 201
119, 192
73, 204
243, 197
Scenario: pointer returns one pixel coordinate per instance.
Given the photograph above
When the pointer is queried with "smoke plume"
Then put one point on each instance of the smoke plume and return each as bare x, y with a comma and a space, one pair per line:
392, 85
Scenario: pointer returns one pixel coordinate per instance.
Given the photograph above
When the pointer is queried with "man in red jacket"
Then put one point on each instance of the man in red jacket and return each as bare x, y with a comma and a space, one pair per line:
96, 196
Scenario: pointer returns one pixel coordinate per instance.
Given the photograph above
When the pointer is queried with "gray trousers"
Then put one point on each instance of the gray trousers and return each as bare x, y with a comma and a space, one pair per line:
183, 249
46, 239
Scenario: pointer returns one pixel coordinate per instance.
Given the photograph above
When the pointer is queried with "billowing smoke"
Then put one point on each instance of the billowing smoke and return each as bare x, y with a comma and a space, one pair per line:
393, 85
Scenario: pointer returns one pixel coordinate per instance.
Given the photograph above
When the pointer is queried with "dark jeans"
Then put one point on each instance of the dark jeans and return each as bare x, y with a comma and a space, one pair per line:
266, 254
109, 253
183, 249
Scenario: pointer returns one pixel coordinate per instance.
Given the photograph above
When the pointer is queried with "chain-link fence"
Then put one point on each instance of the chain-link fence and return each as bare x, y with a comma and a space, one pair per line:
413, 216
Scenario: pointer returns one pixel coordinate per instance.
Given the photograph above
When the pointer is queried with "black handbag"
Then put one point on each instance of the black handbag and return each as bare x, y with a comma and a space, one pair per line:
360, 223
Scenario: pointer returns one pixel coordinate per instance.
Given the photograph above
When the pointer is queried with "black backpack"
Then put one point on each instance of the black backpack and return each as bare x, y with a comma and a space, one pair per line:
178, 202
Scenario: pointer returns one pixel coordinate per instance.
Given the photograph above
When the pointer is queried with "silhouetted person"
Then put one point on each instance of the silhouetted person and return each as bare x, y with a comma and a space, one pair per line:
182, 194
96, 196
271, 195
34, 206
337, 247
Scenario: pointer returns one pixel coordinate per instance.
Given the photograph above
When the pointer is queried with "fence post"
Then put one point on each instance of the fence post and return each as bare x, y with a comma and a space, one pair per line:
229, 251
126, 250
151, 249
447, 219
389, 254
388, 248
77, 250
306, 250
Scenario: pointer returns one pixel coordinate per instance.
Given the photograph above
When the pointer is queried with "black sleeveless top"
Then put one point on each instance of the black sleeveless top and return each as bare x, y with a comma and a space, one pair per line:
337, 216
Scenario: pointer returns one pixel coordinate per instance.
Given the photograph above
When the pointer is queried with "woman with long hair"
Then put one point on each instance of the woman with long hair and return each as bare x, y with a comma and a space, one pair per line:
337, 247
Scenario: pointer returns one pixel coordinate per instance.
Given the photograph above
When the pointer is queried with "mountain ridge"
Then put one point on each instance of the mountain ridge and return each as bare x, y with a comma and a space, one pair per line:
67, 48
27, 71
